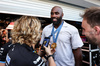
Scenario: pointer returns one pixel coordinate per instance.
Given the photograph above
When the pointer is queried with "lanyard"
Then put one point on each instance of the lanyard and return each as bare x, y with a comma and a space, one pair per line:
53, 32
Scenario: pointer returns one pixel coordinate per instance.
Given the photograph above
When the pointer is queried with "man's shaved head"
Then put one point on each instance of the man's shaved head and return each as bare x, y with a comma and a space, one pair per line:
56, 15
60, 9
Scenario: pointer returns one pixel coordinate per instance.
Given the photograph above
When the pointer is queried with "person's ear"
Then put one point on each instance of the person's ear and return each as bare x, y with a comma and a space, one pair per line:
97, 30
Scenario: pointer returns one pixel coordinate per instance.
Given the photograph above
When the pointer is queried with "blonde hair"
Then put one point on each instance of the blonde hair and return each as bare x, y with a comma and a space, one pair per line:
26, 30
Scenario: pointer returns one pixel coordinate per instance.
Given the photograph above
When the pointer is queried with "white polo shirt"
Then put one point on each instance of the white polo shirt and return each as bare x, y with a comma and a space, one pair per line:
67, 40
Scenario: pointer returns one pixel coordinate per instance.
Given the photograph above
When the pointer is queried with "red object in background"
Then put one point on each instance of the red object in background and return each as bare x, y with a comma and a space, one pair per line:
83, 38
10, 26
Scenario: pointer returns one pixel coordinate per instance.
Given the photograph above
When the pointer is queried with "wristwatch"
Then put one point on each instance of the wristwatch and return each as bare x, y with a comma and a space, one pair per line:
49, 56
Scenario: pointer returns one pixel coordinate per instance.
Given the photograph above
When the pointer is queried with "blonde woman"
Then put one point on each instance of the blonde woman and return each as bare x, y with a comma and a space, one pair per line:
25, 35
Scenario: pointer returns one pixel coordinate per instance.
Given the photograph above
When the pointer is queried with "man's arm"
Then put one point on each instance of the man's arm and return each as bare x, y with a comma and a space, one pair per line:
78, 56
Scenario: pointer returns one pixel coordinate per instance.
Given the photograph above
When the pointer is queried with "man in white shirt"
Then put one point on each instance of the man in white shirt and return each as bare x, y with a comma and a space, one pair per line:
66, 37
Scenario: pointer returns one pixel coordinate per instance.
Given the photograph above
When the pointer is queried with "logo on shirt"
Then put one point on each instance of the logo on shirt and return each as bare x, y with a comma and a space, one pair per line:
8, 59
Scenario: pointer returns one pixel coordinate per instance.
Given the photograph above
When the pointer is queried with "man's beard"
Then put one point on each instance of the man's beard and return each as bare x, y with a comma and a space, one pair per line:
92, 40
56, 23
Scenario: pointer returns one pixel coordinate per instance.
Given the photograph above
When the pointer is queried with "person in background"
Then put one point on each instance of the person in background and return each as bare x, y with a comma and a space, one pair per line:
3, 52
4, 48
91, 26
66, 39
25, 35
